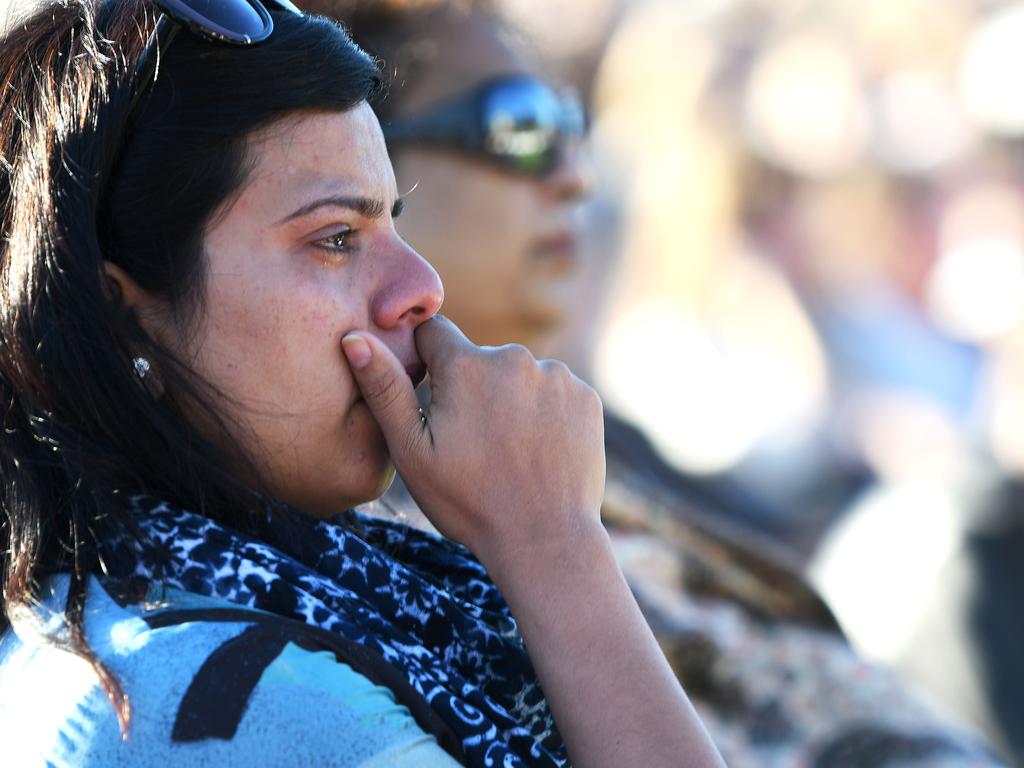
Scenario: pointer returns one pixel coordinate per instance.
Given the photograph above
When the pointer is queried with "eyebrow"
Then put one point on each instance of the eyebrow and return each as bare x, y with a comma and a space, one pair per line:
364, 206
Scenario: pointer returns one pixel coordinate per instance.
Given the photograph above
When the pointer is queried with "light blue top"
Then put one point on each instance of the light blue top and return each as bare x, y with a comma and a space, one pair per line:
306, 709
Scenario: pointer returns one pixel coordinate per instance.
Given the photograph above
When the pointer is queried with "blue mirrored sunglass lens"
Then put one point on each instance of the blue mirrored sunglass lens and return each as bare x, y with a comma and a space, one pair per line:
236, 20
522, 106
524, 124
528, 125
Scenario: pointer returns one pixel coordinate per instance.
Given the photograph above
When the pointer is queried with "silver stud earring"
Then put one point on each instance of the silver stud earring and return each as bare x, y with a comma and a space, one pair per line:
142, 366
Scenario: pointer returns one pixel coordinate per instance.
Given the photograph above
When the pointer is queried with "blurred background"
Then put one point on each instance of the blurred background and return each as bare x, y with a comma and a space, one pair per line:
808, 235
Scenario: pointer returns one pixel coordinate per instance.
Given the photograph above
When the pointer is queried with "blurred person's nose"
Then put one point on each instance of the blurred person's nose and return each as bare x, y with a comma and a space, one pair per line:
571, 179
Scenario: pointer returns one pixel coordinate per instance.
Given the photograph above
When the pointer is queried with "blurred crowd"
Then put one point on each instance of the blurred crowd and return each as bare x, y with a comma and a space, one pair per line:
808, 224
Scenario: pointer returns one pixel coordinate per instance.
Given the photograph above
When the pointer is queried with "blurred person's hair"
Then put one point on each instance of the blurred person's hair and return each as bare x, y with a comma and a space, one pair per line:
398, 34
81, 184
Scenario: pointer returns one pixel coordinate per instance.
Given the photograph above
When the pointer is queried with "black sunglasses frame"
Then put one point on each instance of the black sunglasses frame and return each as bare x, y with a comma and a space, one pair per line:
463, 124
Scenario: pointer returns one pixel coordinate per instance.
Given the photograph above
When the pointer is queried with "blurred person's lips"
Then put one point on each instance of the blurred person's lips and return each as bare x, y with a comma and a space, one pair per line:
562, 249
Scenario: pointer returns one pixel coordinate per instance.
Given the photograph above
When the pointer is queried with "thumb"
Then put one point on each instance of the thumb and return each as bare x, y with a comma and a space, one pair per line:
386, 388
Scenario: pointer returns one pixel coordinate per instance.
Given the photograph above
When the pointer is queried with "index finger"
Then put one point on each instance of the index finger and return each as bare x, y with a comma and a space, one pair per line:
438, 339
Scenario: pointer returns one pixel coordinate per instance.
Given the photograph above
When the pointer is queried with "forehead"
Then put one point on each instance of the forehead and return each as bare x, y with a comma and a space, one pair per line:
320, 152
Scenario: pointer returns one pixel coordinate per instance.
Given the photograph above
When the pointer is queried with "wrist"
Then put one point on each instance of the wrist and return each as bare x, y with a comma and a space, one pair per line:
531, 559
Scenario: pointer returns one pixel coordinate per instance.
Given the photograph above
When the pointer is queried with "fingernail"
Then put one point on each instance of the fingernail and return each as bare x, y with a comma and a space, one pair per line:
357, 350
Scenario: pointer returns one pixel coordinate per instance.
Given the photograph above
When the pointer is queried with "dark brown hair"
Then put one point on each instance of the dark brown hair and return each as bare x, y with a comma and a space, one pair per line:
79, 187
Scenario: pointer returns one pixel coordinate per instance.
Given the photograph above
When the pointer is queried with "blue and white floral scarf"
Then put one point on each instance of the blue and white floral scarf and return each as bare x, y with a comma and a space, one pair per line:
425, 604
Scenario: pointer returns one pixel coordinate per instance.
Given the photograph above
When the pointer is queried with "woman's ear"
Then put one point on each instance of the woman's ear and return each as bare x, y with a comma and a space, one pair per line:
150, 311
118, 284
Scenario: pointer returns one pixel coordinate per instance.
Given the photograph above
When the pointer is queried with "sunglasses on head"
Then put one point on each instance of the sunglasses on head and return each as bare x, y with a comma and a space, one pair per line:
239, 22
518, 123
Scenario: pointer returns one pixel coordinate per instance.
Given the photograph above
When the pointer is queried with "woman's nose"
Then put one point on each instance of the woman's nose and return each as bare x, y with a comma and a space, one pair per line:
411, 294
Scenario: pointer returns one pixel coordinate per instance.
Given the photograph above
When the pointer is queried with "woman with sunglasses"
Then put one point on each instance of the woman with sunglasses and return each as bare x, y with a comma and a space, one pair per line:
210, 335
490, 150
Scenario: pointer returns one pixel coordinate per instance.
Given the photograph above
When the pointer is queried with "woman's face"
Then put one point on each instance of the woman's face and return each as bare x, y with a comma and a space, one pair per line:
304, 253
505, 245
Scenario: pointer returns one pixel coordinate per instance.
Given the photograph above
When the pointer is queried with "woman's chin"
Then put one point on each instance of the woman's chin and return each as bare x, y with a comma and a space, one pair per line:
369, 486
365, 479
387, 478
369, 471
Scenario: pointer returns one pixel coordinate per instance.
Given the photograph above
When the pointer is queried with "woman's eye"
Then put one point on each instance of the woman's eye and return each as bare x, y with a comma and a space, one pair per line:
336, 244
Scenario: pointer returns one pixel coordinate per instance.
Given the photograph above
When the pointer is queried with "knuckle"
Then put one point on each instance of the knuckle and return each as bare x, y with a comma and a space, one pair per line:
516, 355
518, 351
556, 367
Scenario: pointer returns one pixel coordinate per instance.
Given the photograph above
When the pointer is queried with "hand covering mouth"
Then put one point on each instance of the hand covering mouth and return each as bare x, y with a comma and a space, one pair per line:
416, 371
